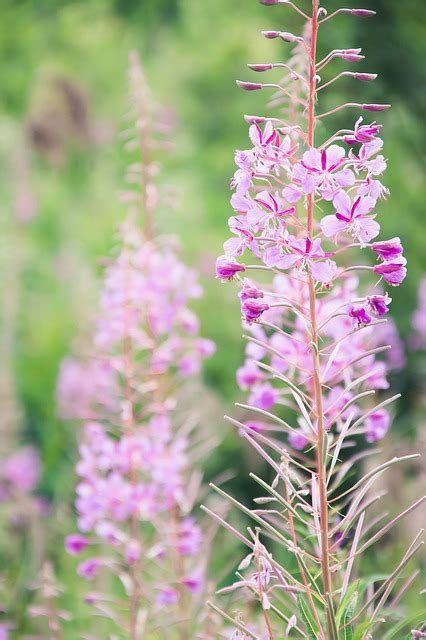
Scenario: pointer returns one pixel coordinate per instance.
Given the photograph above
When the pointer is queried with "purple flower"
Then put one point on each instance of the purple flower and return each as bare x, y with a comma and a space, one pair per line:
363, 132
388, 249
168, 596
252, 309
133, 551
76, 543
360, 315
89, 568
393, 272
351, 216
248, 375
298, 440
378, 304
264, 396
324, 271
227, 268
377, 425
22, 469
249, 290
193, 582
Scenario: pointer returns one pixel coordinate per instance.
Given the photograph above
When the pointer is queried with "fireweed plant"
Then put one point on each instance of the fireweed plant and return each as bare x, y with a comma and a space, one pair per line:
136, 488
303, 208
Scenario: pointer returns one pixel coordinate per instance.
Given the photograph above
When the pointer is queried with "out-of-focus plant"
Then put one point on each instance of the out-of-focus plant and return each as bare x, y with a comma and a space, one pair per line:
304, 206
20, 464
138, 476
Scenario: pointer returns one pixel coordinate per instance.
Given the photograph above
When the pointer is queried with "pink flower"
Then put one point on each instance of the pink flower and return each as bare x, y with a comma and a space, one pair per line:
168, 596
377, 425
22, 469
352, 217
263, 138
205, 347
298, 440
363, 132
133, 551
248, 375
189, 537
249, 291
239, 225
388, 249
227, 268
76, 543
252, 309
393, 272
193, 582
264, 396
379, 304
360, 315
89, 568
324, 271
324, 172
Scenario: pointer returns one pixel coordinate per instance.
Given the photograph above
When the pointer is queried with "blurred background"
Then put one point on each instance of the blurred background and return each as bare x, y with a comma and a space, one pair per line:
64, 99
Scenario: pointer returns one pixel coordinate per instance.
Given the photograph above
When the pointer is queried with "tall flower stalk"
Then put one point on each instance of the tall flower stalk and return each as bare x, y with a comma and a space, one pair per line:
137, 470
305, 203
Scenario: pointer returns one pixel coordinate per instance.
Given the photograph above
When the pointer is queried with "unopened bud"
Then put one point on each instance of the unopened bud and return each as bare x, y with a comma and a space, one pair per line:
249, 86
322, 12
254, 119
351, 57
364, 13
288, 37
260, 67
366, 77
376, 107
271, 34
269, 2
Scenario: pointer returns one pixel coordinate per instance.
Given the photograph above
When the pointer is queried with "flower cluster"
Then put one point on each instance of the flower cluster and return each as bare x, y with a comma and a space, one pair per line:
19, 473
134, 496
317, 352
146, 338
267, 223
288, 355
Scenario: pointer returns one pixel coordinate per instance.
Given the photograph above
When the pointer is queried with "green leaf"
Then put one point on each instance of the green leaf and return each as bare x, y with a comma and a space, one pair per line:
347, 617
308, 618
353, 588
361, 630
412, 621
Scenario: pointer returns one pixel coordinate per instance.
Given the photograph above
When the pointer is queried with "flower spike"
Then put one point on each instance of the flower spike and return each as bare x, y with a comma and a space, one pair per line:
315, 355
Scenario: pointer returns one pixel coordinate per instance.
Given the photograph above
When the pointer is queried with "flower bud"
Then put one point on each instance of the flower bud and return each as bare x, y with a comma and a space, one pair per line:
288, 37
249, 291
388, 249
269, 2
76, 543
375, 107
252, 309
249, 86
364, 13
254, 119
351, 57
260, 67
366, 77
227, 268
271, 34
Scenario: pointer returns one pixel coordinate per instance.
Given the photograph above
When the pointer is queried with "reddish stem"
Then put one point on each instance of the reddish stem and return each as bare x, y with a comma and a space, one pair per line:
319, 410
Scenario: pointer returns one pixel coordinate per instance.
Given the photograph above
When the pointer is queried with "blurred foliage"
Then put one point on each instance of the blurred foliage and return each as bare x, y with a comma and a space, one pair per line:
192, 51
